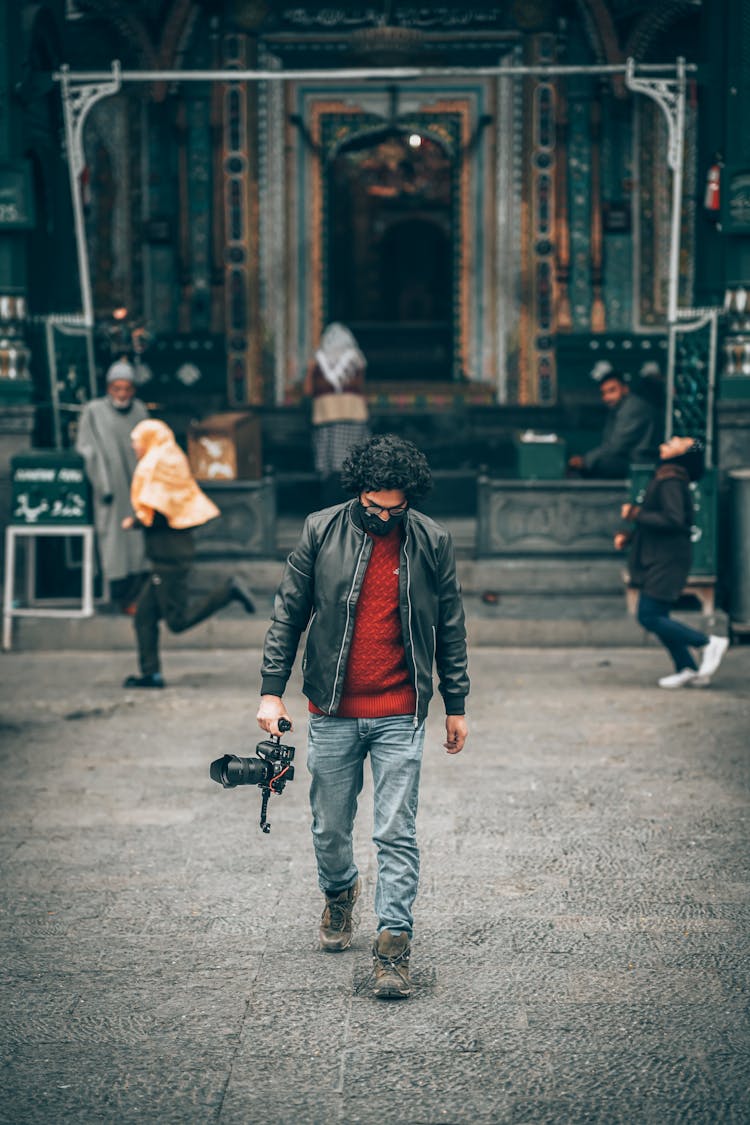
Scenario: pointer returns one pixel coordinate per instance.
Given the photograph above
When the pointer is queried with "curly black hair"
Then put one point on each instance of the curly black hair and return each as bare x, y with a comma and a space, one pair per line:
387, 462
693, 459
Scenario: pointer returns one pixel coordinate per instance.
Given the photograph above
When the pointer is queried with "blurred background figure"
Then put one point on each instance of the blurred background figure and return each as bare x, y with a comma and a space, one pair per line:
335, 381
103, 441
167, 504
631, 433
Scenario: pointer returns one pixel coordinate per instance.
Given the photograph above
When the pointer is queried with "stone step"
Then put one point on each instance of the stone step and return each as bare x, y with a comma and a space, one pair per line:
546, 621
511, 601
520, 575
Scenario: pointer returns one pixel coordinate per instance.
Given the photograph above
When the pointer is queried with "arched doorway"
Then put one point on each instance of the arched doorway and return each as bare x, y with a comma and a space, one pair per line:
391, 253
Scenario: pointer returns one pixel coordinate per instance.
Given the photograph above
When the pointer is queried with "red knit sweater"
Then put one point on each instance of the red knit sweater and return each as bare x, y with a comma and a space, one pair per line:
377, 681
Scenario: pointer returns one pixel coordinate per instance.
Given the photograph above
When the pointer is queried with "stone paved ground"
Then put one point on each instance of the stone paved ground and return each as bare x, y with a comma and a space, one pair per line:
582, 943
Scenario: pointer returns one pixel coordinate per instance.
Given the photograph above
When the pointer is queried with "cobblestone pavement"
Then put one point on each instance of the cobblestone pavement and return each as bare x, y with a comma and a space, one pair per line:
581, 952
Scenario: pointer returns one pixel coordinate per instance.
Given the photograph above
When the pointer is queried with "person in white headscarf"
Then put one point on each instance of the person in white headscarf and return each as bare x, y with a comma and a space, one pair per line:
103, 440
335, 381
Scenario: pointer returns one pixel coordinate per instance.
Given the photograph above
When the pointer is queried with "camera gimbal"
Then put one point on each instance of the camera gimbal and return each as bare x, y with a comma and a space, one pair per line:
270, 770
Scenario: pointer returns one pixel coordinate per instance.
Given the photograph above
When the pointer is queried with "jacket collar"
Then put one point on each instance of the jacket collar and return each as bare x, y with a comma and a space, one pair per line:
666, 470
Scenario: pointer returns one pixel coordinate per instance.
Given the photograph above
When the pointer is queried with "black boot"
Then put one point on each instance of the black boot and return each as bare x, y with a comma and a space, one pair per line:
238, 592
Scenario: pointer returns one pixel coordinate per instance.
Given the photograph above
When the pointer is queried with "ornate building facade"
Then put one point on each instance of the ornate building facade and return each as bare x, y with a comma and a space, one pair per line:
488, 237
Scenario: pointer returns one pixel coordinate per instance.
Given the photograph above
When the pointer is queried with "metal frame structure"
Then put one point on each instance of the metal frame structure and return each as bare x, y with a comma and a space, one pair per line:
13, 532
692, 320
665, 84
66, 325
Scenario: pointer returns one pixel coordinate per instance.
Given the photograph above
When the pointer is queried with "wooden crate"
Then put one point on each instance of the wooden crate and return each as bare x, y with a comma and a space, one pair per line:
226, 447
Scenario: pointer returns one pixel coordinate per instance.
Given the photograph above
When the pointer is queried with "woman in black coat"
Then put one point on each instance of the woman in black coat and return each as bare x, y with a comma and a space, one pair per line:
659, 561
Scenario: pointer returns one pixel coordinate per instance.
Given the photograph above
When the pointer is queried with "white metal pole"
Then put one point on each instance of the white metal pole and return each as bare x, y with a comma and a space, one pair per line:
711, 390
677, 165
337, 73
669, 95
78, 99
75, 167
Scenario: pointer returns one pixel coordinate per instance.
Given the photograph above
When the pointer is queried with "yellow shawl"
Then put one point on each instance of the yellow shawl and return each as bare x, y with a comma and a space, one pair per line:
162, 481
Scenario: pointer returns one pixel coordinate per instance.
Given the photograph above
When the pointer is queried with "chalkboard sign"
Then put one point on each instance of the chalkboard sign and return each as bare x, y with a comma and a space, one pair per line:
50, 486
16, 196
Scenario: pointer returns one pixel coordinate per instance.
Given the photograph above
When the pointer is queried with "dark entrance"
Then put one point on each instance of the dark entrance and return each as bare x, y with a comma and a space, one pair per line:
390, 261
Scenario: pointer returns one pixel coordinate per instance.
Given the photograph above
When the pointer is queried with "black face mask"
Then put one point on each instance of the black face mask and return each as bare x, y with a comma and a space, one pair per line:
375, 525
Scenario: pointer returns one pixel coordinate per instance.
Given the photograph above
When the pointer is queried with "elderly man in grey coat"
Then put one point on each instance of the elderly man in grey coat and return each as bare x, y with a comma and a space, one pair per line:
104, 442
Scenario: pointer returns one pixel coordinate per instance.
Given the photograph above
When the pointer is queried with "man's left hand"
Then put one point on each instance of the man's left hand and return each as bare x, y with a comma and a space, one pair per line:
457, 732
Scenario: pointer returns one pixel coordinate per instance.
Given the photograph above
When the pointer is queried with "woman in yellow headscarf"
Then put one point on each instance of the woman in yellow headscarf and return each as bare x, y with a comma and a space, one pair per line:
167, 504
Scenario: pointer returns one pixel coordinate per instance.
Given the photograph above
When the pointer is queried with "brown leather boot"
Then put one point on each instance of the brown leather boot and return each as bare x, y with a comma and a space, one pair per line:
336, 923
390, 956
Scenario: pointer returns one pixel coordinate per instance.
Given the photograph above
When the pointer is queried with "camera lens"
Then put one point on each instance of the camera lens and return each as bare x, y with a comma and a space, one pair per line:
231, 770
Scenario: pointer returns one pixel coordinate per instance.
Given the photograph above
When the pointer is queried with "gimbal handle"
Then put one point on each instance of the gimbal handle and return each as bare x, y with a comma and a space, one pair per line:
265, 825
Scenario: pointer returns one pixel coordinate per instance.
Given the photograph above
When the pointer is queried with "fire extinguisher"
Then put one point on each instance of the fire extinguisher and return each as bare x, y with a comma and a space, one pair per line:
712, 198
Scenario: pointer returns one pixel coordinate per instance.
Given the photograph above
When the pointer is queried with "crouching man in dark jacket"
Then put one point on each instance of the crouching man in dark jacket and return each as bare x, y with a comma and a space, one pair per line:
374, 582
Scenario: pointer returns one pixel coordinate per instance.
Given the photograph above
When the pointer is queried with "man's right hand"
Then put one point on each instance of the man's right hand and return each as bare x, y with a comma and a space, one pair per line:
575, 462
270, 711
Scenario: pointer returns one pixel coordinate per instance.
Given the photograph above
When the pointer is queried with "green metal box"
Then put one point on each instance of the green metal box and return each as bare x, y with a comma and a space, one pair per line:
540, 460
50, 487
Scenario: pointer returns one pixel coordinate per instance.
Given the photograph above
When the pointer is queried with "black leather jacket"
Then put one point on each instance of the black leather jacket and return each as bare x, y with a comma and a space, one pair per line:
320, 587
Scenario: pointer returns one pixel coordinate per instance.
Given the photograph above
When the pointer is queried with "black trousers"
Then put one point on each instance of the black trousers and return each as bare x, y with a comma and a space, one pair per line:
165, 596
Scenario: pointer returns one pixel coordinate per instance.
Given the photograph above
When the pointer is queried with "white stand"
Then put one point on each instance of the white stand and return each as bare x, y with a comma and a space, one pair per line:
28, 531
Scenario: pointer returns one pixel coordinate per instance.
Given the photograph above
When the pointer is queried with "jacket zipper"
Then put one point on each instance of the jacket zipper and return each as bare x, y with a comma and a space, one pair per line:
309, 627
346, 624
411, 635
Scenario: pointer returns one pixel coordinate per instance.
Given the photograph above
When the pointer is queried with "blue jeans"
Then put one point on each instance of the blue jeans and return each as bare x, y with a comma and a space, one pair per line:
653, 615
336, 752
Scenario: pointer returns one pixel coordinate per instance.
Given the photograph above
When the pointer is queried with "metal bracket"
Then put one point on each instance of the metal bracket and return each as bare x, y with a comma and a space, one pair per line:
78, 100
669, 95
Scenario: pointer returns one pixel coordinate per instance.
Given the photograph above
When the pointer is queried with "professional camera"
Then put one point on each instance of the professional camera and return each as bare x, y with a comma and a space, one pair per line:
270, 771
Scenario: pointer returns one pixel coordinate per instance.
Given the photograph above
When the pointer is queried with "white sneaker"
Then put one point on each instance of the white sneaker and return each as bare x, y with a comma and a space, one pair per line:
678, 679
713, 654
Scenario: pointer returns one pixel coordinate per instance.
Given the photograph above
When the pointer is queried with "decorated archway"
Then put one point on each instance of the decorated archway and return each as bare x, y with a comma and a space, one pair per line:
391, 269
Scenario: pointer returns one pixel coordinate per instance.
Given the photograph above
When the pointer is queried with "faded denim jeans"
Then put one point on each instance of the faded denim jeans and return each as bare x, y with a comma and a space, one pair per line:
336, 752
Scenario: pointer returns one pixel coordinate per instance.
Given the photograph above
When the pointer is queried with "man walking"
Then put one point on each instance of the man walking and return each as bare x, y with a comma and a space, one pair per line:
374, 582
